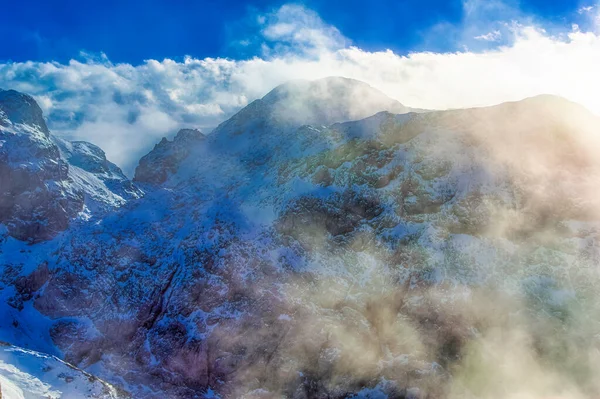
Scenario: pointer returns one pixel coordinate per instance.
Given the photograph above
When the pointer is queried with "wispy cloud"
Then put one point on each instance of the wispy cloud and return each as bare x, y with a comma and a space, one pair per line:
125, 108
585, 10
591, 15
493, 36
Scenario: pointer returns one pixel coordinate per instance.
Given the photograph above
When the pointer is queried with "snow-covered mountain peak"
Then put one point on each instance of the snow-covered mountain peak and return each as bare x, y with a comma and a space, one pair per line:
328, 100
103, 183
45, 182
20, 108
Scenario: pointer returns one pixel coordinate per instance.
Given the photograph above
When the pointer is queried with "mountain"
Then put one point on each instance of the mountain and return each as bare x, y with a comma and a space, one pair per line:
279, 113
437, 254
165, 157
326, 101
46, 182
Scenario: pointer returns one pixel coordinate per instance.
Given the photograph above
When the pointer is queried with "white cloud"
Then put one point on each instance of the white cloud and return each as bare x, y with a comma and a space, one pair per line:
294, 27
493, 36
125, 109
591, 15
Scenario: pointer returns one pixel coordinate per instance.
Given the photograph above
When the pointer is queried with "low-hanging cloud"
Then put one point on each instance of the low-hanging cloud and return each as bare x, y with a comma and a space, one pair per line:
126, 108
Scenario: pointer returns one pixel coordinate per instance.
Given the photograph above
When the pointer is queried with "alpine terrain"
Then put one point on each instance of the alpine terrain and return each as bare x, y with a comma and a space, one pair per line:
324, 242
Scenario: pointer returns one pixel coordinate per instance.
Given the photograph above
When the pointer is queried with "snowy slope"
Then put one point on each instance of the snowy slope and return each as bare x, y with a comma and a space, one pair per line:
26, 374
103, 183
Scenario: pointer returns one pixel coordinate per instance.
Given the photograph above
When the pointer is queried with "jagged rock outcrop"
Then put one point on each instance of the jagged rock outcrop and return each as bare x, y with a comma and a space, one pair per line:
19, 108
103, 183
45, 182
165, 158
36, 199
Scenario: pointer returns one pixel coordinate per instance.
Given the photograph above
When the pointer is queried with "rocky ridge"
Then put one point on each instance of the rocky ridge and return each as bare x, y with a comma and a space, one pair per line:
47, 182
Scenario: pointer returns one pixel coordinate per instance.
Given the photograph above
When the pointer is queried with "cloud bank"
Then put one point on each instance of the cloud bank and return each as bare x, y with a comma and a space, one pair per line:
126, 108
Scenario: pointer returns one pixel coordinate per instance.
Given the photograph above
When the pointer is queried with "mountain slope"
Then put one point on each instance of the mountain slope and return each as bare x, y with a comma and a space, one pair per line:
443, 254
103, 183
46, 182
29, 374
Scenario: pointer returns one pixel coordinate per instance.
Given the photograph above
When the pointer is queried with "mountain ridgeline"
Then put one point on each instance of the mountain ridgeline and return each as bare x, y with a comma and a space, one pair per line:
324, 242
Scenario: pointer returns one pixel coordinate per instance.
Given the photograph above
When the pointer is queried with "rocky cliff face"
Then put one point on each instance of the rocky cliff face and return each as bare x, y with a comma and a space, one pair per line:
164, 159
46, 182
103, 184
440, 254
36, 200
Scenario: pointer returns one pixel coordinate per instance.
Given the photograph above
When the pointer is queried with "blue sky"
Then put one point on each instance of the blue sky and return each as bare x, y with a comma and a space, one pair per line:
135, 30
123, 74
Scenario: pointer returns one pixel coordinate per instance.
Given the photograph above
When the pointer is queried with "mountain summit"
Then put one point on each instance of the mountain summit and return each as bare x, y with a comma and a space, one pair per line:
329, 100
19, 108
47, 182
268, 128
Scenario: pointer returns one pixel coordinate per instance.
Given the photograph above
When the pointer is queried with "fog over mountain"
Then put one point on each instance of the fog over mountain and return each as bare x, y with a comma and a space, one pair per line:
326, 241
498, 53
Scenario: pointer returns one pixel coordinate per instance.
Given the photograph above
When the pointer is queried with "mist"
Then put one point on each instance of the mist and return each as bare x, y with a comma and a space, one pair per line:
486, 291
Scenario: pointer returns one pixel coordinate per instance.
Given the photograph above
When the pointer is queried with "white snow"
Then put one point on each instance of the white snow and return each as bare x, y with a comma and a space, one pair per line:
26, 374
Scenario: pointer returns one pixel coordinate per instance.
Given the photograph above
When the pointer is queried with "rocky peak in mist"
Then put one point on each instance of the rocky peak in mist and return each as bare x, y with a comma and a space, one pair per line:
270, 128
326, 101
284, 123
166, 156
318, 102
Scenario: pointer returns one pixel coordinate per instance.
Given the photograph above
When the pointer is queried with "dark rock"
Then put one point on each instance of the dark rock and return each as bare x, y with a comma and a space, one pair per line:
20, 108
27, 285
39, 195
156, 166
